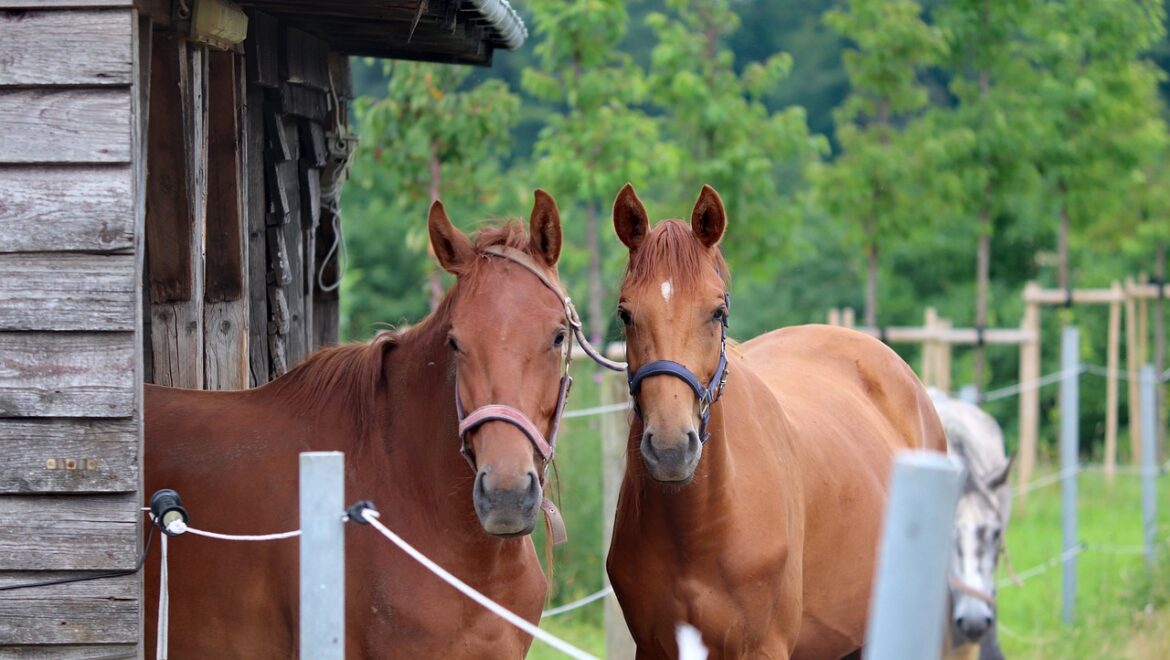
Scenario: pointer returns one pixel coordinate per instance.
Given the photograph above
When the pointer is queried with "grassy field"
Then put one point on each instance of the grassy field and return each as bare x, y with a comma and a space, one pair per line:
1123, 611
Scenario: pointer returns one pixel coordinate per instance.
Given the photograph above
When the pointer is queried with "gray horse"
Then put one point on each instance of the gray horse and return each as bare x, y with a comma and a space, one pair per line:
975, 440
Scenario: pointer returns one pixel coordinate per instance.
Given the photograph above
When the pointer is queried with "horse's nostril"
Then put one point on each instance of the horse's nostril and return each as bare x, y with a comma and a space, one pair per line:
480, 490
533, 484
648, 447
692, 443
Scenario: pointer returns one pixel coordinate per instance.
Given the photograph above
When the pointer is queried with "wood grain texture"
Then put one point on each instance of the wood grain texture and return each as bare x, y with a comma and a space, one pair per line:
65, 125
67, 374
71, 652
256, 205
225, 341
47, 291
170, 206
84, 47
176, 341
66, 208
41, 532
68, 455
224, 279
98, 612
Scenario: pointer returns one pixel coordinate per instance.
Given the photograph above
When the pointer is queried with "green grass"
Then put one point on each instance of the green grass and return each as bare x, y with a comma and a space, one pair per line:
1116, 594
1122, 610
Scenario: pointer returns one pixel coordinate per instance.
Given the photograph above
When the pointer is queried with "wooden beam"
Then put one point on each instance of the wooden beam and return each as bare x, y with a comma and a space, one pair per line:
65, 125
226, 305
963, 336
74, 374
1133, 366
253, 140
1113, 350
263, 49
68, 455
1029, 395
67, 208
46, 291
85, 47
1079, 296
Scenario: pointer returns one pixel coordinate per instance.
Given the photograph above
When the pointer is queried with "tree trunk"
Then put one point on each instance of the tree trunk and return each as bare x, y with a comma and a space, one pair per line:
871, 275
436, 276
982, 284
1062, 239
596, 325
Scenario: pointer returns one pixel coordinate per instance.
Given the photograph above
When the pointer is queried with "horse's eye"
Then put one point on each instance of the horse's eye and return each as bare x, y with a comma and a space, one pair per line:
994, 534
452, 343
624, 315
559, 339
719, 314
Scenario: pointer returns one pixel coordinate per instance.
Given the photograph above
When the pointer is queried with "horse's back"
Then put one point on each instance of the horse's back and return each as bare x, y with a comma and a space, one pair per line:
852, 404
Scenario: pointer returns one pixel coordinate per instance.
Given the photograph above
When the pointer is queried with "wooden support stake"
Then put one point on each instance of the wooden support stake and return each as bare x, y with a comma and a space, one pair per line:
1113, 352
929, 371
1132, 363
1029, 393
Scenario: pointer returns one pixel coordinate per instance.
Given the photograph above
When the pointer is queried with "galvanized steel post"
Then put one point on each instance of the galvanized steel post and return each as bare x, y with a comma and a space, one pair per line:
1070, 416
912, 560
322, 556
1149, 460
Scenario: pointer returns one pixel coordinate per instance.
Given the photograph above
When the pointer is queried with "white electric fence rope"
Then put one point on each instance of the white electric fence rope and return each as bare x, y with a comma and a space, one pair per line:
164, 605
577, 604
180, 527
598, 410
1044, 567
371, 517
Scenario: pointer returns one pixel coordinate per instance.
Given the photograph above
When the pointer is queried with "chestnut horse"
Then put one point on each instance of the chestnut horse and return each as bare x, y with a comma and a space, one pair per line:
498, 337
756, 475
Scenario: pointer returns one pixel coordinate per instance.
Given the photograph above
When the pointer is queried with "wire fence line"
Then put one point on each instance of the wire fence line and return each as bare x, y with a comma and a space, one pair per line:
577, 604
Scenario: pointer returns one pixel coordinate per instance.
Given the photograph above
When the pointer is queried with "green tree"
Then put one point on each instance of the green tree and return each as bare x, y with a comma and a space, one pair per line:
430, 139
727, 137
600, 140
873, 182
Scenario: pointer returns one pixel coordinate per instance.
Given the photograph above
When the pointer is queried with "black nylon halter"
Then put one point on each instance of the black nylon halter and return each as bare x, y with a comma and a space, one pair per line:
706, 394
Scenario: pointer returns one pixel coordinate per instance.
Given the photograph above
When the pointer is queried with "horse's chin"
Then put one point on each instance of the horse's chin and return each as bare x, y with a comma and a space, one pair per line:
673, 477
508, 527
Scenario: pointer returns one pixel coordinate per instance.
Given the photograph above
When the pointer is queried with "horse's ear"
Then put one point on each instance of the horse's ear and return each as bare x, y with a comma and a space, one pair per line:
1000, 476
544, 229
452, 247
708, 219
629, 218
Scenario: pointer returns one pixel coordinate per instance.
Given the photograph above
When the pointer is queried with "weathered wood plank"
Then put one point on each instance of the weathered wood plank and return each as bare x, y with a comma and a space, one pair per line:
66, 208
65, 125
95, 612
48, 291
225, 343
225, 234
176, 332
70, 652
305, 60
303, 101
263, 49
67, 374
45, 4
170, 208
253, 168
313, 149
69, 532
68, 455
87, 47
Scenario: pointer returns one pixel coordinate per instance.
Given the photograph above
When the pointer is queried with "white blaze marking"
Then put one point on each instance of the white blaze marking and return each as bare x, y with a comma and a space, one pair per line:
667, 291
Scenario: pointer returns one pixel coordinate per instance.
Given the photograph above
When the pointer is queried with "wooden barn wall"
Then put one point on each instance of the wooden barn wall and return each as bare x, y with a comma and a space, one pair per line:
238, 229
70, 324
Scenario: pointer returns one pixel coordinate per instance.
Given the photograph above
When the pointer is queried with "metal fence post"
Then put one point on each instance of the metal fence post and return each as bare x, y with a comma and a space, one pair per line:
1070, 416
1149, 460
322, 556
912, 560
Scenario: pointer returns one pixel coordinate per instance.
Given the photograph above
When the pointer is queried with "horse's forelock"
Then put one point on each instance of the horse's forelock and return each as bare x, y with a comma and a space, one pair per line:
672, 252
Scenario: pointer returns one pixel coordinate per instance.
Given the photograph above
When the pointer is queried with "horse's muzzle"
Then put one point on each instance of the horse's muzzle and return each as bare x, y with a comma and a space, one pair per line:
507, 510
671, 461
973, 618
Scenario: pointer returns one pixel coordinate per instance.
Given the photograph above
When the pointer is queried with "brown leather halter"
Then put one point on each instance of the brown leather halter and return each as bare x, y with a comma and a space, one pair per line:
498, 412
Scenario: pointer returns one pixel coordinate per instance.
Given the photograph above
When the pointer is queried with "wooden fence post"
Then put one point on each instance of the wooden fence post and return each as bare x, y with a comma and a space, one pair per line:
615, 430
1029, 392
1112, 365
1132, 361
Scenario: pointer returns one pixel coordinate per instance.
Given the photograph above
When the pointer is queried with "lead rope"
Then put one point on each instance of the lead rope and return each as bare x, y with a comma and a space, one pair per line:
579, 332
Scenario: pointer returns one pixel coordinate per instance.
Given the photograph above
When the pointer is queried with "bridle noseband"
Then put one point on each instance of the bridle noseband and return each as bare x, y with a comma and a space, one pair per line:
706, 394
498, 412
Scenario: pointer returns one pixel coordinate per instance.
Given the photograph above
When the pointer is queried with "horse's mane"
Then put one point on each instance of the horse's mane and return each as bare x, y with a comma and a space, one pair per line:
671, 250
